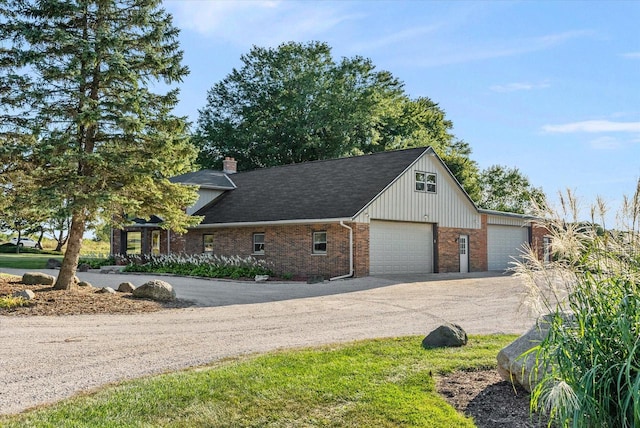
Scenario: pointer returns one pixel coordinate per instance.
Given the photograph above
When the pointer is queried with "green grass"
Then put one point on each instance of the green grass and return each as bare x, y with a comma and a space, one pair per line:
376, 383
26, 261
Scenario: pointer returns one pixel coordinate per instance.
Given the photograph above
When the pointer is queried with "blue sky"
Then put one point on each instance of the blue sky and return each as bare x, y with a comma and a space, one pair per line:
549, 87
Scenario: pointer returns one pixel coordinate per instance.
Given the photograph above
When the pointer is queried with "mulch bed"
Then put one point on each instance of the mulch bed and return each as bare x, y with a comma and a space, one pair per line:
82, 300
491, 401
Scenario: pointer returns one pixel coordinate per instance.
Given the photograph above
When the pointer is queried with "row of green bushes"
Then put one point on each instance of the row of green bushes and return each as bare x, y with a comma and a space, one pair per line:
204, 265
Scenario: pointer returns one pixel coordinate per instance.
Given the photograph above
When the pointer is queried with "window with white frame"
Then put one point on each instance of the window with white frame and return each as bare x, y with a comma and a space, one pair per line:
319, 242
207, 243
425, 182
258, 243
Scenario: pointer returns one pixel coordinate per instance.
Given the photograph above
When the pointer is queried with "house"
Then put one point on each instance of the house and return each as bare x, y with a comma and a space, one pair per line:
385, 213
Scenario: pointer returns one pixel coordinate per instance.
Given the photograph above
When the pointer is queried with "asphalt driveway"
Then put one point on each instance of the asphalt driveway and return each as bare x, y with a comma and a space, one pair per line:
44, 359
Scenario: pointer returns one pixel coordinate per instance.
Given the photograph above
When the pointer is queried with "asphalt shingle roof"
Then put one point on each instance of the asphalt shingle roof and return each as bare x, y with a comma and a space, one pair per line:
206, 178
336, 188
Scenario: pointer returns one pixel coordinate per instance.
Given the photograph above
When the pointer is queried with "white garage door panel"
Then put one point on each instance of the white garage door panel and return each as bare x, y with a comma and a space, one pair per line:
505, 243
400, 247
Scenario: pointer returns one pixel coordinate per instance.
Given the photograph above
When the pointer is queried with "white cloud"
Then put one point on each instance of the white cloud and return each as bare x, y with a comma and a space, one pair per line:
605, 143
406, 35
631, 55
447, 54
259, 22
519, 86
593, 126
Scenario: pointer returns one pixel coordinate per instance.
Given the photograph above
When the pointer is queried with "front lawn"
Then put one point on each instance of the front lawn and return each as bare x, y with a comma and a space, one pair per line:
373, 383
26, 260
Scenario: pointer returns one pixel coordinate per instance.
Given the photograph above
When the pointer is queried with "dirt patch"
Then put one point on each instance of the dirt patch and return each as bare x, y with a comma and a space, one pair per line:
83, 300
489, 400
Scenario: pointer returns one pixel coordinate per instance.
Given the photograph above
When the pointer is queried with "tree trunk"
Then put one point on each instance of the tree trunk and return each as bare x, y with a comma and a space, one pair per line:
61, 240
18, 242
67, 273
39, 245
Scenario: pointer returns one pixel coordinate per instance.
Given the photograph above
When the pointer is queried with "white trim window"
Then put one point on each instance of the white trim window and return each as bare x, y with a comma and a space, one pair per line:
319, 242
426, 182
258, 243
207, 243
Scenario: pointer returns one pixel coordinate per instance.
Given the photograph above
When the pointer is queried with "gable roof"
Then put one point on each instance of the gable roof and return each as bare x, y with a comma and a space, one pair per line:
206, 178
328, 189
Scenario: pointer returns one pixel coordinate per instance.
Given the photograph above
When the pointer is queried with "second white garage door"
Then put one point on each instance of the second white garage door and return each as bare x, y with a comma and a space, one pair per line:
400, 247
504, 243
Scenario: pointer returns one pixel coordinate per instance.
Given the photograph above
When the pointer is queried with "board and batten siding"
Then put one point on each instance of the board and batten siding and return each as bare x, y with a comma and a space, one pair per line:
204, 197
448, 207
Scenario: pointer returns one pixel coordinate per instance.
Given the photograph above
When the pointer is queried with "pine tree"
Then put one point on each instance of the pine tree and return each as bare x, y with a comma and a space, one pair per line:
83, 78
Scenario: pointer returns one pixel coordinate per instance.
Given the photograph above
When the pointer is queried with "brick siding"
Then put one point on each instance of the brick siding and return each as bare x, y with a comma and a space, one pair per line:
289, 247
448, 252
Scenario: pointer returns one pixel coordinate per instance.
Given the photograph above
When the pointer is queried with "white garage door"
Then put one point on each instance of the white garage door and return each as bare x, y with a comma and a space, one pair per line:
503, 244
400, 247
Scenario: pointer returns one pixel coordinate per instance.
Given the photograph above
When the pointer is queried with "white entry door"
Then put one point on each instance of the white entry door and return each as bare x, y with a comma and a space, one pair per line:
463, 250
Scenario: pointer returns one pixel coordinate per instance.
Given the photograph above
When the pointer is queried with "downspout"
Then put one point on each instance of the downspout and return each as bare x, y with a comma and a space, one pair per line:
350, 274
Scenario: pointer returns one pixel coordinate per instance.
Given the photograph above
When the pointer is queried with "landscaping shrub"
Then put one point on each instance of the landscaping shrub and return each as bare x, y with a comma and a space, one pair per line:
10, 302
591, 357
204, 265
97, 261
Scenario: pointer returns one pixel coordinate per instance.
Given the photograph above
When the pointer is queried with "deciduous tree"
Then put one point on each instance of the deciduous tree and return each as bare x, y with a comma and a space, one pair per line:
295, 103
81, 77
508, 189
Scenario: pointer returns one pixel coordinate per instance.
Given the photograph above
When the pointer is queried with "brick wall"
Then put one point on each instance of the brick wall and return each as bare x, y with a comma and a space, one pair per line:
448, 251
361, 249
538, 232
289, 247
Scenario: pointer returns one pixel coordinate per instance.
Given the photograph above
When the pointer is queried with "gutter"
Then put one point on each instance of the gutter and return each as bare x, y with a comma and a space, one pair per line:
350, 274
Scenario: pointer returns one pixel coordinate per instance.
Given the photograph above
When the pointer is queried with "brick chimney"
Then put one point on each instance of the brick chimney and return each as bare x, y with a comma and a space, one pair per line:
229, 165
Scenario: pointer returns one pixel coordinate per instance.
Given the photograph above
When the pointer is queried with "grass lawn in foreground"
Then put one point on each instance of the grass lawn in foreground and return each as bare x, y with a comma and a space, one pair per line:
373, 383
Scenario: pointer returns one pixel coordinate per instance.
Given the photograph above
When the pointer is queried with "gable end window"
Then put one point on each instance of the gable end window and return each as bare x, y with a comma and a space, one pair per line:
425, 182
319, 243
207, 244
258, 243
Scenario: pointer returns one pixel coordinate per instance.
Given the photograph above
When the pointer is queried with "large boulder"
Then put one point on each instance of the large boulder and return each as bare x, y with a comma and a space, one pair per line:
37, 278
447, 335
156, 290
521, 369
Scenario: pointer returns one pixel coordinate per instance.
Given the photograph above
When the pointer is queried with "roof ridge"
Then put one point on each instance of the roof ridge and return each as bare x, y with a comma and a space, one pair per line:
345, 158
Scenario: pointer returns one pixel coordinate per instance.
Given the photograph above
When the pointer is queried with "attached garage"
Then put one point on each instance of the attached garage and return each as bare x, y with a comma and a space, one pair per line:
504, 243
397, 247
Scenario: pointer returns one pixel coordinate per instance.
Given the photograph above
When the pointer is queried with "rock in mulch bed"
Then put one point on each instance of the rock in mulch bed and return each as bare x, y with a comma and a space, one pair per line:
48, 301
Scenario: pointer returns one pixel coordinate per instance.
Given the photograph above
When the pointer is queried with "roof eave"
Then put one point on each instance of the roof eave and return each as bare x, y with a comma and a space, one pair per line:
273, 222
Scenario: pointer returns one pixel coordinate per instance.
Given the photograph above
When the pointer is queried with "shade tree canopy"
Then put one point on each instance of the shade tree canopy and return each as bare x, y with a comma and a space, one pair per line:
295, 103
508, 189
